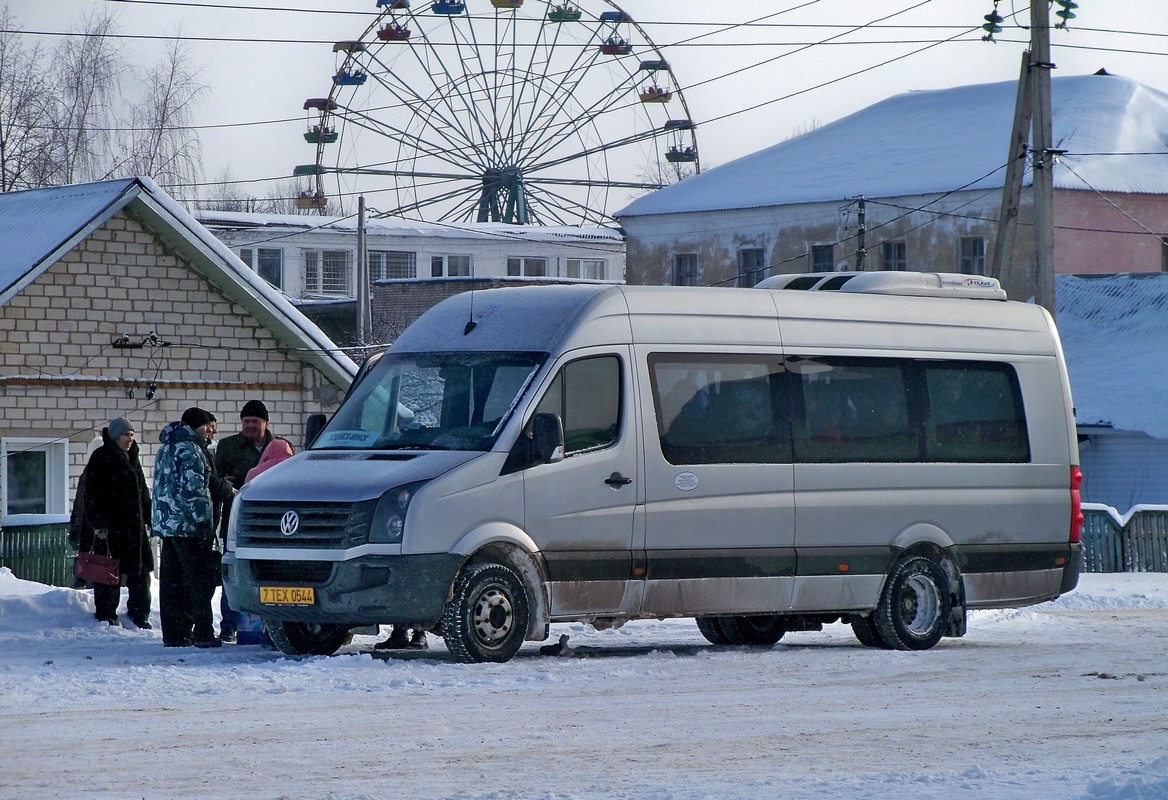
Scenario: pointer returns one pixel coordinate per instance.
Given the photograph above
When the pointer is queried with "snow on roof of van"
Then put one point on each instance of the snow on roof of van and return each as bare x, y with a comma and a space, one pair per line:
397, 226
1114, 330
939, 141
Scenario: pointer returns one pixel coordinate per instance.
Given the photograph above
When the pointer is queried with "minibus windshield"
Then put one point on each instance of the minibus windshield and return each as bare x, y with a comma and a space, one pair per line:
431, 401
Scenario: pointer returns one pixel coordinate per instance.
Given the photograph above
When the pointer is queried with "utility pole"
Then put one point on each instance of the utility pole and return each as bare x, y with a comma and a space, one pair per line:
1015, 169
1043, 155
364, 312
862, 221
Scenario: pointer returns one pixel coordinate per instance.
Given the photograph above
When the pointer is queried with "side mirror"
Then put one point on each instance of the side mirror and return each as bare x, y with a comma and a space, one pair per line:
313, 428
547, 438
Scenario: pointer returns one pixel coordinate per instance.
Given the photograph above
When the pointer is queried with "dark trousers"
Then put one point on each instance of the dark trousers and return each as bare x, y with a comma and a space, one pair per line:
186, 585
107, 598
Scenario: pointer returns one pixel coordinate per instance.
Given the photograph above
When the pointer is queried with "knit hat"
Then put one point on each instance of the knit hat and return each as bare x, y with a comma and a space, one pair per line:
195, 417
119, 426
254, 408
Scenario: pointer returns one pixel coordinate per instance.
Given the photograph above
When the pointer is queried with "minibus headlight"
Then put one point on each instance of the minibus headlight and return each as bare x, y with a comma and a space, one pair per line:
389, 519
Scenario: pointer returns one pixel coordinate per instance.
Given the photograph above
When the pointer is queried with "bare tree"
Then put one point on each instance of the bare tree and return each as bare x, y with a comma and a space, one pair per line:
163, 143
87, 70
24, 88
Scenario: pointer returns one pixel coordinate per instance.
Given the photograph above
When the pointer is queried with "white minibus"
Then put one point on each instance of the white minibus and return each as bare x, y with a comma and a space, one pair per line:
888, 450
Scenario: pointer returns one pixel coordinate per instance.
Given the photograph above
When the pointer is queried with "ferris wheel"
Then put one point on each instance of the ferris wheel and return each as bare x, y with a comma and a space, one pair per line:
518, 111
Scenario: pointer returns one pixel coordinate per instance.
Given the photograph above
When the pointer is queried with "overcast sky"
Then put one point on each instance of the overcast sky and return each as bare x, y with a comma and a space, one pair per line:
795, 87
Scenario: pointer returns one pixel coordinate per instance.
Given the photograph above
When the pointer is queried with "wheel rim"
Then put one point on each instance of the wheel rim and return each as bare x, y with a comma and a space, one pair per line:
920, 605
493, 616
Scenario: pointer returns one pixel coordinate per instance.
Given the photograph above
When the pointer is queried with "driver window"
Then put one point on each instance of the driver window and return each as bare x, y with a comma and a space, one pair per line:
586, 394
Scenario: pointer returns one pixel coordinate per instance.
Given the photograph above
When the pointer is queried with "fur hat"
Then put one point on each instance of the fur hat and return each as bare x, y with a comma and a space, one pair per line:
195, 417
119, 426
254, 408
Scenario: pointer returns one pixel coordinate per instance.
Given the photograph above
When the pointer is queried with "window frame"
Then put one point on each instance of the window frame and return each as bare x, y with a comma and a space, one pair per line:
969, 260
56, 494
685, 269
894, 255
749, 274
440, 265
598, 265
379, 265
527, 267
816, 260
325, 265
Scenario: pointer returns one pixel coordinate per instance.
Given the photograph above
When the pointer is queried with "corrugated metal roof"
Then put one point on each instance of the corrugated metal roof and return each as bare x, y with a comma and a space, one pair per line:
1114, 330
923, 143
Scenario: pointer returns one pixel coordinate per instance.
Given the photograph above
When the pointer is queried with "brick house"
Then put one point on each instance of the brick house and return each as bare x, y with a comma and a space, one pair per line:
115, 301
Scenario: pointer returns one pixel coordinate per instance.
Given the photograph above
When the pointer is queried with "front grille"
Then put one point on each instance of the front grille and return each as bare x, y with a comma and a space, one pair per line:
334, 526
298, 572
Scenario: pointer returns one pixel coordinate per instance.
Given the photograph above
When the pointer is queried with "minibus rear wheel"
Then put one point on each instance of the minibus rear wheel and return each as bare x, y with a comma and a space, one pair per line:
308, 638
756, 630
487, 617
710, 629
866, 631
914, 606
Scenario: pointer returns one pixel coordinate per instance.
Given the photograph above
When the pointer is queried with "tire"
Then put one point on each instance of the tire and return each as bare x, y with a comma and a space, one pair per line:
308, 638
866, 632
712, 630
757, 631
488, 615
914, 606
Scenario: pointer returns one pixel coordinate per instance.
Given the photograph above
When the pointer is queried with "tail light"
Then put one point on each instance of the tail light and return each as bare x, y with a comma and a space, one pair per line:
1076, 506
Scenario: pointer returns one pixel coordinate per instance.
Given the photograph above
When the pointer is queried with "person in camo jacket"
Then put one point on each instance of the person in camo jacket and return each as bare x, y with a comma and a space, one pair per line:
183, 518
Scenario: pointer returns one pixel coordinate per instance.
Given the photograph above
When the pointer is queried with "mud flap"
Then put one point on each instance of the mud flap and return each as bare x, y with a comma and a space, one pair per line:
957, 616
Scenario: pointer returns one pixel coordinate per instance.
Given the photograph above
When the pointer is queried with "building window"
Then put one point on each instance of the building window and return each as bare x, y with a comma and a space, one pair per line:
326, 272
972, 256
267, 262
35, 476
894, 256
449, 266
527, 267
1164, 253
823, 258
752, 266
590, 268
392, 264
685, 269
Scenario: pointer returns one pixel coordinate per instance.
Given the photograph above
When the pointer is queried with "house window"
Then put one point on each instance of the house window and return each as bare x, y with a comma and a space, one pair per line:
527, 267
752, 266
35, 476
326, 272
267, 262
823, 258
685, 269
392, 264
449, 266
972, 256
590, 268
1164, 253
894, 256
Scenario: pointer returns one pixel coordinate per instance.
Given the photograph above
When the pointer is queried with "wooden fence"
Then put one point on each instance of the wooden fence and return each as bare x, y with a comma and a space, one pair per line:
1133, 542
1112, 542
38, 553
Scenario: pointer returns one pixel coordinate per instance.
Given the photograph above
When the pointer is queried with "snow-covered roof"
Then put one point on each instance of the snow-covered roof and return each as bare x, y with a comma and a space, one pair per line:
396, 226
1114, 330
938, 141
39, 226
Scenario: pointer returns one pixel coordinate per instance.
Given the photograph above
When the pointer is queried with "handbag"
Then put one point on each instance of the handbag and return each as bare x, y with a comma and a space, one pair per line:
96, 567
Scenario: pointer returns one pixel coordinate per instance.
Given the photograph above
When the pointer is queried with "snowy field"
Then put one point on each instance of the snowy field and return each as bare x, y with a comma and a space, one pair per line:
1065, 700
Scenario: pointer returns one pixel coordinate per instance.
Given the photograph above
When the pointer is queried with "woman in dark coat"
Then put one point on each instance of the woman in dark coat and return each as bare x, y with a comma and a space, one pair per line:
117, 504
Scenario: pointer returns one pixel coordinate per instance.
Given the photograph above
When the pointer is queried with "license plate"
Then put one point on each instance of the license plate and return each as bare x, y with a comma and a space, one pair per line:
287, 595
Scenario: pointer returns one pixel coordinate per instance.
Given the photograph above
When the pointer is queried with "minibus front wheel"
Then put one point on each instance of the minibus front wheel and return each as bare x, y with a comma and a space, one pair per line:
487, 617
914, 606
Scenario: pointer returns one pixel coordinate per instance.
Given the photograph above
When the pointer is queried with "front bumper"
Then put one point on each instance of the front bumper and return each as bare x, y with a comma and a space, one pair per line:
369, 590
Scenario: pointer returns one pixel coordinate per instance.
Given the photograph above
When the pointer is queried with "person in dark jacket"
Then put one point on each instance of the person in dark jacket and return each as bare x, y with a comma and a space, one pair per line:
184, 519
116, 508
234, 458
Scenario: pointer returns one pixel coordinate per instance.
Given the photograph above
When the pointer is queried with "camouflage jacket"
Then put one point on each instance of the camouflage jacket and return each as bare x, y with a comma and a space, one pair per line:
182, 485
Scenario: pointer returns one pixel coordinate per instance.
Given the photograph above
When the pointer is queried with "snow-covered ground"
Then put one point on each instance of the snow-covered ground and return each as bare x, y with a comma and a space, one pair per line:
1064, 700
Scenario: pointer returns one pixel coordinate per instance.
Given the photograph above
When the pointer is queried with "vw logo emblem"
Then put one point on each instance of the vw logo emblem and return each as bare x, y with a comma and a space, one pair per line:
289, 523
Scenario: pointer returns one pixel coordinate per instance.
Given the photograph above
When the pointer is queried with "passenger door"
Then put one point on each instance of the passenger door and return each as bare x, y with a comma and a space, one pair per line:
580, 511
719, 535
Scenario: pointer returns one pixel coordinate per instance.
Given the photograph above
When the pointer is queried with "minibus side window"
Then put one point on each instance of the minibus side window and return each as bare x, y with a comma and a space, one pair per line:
586, 394
855, 410
976, 414
714, 409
